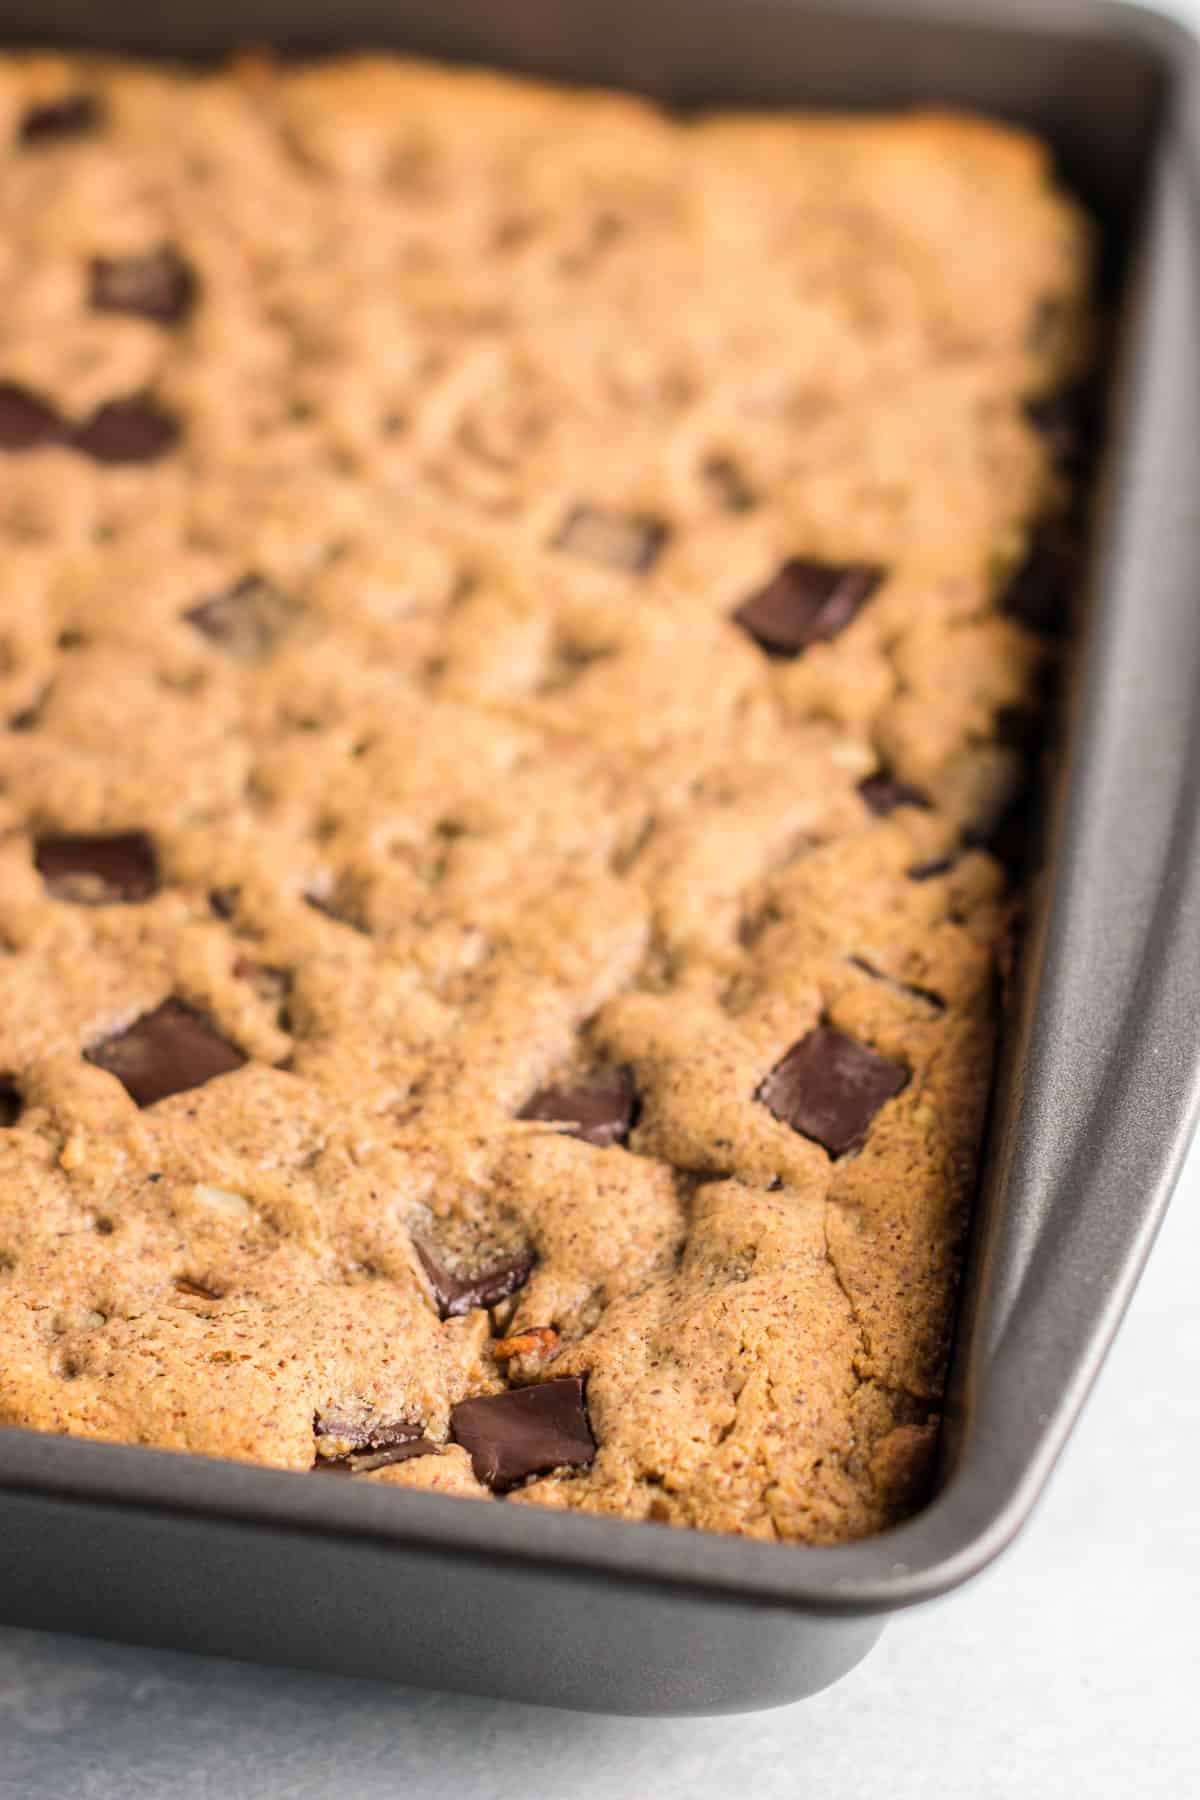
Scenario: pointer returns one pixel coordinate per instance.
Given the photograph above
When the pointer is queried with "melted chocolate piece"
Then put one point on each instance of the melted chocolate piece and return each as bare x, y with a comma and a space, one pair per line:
332, 908
136, 430
27, 422
159, 286
373, 1446
458, 1294
914, 991
883, 795
165, 1052
247, 620
74, 115
601, 1111
829, 1088
525, 1431
10, 1102
100, 869
806, 603
375, 1435
619, 540
367, 1461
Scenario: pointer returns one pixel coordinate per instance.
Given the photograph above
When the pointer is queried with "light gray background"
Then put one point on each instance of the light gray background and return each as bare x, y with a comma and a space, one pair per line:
1070, 1671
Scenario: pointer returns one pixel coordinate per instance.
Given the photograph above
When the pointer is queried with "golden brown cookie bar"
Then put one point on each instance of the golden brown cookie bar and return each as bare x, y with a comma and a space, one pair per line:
519, 620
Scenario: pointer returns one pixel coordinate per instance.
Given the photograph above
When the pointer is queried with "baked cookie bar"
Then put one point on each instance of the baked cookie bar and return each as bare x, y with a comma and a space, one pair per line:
521, 618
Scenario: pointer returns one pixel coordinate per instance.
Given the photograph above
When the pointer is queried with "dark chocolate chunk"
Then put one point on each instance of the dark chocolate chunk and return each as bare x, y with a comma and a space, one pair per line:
602, 1110
829, 1088
165, 1052
99, 869
136, 430
525, 1431
622, 541
1039, 594
10, 1102
806, 603
159, 286
74, 115
914, 991
247, 620
372, 1446
27, 422
367, 1435
457, 1294
367, 1461
882, 794
335, 908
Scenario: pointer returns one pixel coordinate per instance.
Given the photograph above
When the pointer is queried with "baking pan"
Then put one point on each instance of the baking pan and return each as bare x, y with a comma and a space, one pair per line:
1101, 1074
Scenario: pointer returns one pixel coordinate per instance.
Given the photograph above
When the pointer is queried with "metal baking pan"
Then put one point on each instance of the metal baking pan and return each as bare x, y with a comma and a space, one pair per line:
1101, 1076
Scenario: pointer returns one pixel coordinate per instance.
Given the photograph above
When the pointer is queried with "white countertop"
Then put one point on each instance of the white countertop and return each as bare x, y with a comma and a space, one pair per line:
1069, 1671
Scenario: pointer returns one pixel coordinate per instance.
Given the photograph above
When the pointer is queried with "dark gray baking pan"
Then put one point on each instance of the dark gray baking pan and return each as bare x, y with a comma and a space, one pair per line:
1102, 1071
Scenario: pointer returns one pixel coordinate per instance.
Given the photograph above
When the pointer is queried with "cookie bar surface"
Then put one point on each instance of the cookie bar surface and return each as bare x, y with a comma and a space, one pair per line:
520, 620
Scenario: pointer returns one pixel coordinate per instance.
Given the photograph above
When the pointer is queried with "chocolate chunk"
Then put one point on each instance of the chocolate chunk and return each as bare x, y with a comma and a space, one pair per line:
458, 1294
165, 1052
335, 908
1039, 594
247, 620
97, 870
927, 996
159, 286
10, 1102
602, 1111
366, 1462
883, 795
136, 430
73, 116
526, 1431
367, 1435
806, 603
372, 1446
27, 422
829, 1088
224, 901
622, 541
